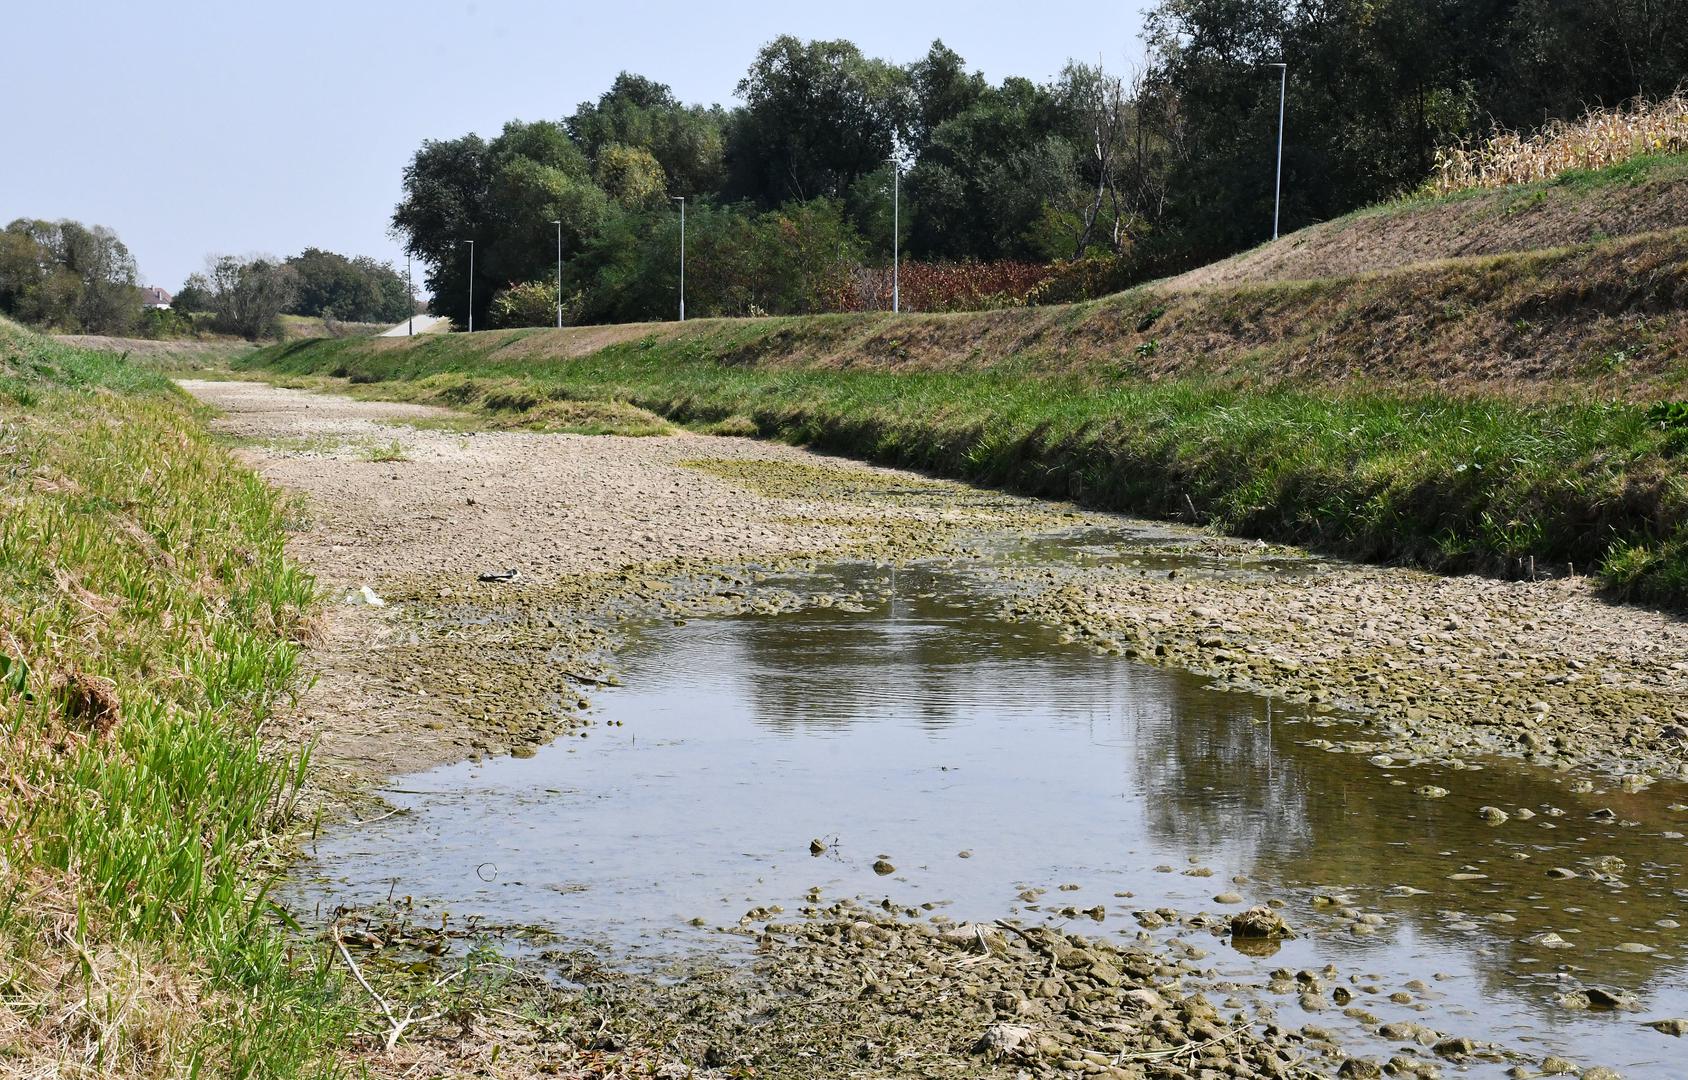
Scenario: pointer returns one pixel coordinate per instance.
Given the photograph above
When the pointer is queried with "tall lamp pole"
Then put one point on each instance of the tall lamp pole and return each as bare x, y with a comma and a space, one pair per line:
1278, 195
471, 244
559, 226
410, 294
896, 230
681, 199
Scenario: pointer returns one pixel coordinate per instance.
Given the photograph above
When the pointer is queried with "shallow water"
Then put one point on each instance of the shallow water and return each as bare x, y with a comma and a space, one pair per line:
924, 726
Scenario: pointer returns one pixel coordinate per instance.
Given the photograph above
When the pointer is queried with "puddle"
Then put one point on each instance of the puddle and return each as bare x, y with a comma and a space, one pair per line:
918, 726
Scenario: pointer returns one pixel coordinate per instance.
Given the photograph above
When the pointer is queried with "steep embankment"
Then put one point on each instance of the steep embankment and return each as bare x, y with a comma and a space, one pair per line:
1504, 413
148, 624
1641, 196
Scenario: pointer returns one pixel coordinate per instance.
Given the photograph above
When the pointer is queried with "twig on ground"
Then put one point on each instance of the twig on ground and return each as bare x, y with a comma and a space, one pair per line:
1179, 1051
398, 1027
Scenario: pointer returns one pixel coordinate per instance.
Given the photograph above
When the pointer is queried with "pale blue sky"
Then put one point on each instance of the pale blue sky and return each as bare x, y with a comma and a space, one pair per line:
240, 126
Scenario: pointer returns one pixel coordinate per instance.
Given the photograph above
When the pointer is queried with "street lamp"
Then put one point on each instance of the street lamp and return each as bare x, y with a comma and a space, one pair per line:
896, 230
1278, 195
559, 226
410, 294
471, 244
681, 199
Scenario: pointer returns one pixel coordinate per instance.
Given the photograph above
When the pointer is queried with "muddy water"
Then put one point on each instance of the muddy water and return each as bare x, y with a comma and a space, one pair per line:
1005, 773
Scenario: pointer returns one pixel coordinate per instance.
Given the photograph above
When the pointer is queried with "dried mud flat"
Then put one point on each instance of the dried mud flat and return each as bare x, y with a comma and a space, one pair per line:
603, 528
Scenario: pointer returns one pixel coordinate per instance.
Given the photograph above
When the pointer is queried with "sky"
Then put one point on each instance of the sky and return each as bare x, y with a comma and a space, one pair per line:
256, 126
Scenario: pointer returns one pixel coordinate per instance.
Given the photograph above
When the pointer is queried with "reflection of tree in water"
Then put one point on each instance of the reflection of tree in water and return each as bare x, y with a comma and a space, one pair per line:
1216, 777
1334, 820
1211, 779
933, 661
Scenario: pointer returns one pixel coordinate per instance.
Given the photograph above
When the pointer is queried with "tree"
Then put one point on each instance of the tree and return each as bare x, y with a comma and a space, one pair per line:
1566, 56
1098, 101
943, 90
817, 116
687, 141
195, 295
504, 196
249, 294
631, 176
987, 180
354, 290
68, 275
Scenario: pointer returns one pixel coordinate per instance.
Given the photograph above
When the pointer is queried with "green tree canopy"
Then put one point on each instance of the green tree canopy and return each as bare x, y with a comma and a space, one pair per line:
356, 289
68, 276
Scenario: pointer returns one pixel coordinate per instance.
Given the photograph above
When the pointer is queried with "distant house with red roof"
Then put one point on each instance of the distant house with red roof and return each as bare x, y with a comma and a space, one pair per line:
154, 297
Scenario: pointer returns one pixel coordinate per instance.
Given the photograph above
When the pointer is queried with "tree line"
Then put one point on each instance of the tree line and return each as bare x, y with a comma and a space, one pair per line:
67, 276
1104, 179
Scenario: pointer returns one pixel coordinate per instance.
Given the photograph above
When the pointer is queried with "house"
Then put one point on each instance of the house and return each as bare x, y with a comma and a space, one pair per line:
154, 297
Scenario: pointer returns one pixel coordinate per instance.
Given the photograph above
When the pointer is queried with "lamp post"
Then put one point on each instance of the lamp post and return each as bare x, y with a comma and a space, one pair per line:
471, 244
558, 223
896, 230
410, 294
681, 199
1278, 195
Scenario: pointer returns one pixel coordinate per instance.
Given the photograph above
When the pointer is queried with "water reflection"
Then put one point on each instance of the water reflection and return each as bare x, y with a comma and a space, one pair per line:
924, 726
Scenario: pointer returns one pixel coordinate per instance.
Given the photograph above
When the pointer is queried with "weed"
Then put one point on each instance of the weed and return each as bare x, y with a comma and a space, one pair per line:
392, 451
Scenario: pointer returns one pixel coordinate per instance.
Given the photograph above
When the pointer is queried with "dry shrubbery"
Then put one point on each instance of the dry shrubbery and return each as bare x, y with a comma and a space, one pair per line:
1600, 139
937, 287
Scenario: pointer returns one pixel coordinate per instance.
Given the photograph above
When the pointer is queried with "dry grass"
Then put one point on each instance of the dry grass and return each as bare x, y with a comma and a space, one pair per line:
1601, 139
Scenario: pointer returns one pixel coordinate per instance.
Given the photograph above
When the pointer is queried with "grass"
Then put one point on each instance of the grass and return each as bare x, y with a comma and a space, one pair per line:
391, 451
149, 627
1456, 481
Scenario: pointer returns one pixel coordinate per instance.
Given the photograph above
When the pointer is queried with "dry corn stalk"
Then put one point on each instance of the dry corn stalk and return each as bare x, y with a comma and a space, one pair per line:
1598, 140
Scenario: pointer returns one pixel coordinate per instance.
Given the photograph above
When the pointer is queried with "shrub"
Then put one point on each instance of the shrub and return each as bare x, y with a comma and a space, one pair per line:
1085, 279
531, 303
159, 323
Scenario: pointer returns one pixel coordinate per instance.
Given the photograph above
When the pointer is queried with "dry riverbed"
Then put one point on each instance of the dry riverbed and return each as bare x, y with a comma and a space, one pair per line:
603, 530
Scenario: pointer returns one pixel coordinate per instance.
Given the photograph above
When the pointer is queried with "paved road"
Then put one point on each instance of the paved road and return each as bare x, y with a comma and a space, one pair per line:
425, 324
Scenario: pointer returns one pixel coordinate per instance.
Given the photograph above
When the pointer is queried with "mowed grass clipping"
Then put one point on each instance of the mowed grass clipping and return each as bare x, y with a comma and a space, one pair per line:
148, 628
1452, 481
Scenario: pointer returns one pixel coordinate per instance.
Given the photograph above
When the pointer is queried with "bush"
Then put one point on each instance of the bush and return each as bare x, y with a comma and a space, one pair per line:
1088, 278
531, 303
160, 323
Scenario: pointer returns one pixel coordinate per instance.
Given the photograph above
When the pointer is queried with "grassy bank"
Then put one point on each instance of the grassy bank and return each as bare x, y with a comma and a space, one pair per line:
148, 627
1450, 480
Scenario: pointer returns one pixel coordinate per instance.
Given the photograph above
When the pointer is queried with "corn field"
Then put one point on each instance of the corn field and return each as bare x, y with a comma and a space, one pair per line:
1600, 139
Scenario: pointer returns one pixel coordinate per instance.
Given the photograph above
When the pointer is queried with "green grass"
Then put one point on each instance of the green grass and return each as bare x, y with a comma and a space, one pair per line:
148, 626
391, 451
1452, 481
